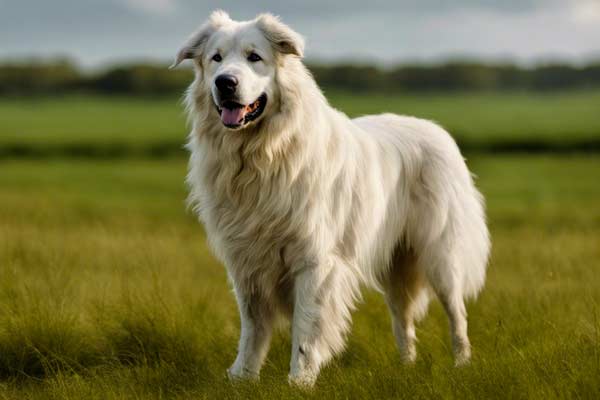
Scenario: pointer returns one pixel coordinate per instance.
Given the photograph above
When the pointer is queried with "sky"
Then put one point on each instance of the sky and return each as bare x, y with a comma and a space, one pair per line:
99, 32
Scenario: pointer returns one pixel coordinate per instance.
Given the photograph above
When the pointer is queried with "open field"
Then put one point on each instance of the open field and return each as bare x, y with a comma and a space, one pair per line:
108, 289
120, 126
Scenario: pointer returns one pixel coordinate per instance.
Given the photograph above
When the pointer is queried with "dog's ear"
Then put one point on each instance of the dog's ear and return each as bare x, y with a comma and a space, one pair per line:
281, 36
194, 45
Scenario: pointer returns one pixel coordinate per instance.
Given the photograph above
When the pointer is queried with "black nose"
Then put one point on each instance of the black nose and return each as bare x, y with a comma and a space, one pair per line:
226, 84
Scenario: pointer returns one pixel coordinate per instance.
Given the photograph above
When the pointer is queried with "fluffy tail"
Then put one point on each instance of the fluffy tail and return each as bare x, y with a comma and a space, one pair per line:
475, 246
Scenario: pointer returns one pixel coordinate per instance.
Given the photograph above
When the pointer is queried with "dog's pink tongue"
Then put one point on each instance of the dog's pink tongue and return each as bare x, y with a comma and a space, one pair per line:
232, 116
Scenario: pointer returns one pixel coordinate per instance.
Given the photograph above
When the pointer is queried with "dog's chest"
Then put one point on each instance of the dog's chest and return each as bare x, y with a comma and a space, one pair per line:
249, 219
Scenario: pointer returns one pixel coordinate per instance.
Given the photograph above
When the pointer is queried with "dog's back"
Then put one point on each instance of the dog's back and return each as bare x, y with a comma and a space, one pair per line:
442, 194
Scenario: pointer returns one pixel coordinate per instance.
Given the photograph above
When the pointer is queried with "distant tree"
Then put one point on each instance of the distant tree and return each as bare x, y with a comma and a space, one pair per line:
60, 76
38, 77
141, 79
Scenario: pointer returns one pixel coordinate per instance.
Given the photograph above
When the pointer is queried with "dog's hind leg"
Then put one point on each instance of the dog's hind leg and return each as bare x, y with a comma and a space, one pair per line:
257, 324
407, 297
444, 277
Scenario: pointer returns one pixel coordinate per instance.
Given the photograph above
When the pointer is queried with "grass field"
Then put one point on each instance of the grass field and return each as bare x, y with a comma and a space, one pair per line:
122, 125
108, 289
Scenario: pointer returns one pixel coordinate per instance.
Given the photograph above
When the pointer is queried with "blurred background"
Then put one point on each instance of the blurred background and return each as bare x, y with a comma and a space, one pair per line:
501, 76
107, 288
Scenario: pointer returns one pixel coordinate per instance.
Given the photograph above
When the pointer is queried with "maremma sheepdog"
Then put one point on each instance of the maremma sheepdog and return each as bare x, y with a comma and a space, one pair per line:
304, 205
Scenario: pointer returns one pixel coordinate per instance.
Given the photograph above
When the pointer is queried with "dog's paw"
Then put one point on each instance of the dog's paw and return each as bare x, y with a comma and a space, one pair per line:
238, 373
304, 380
409, 355
462, 357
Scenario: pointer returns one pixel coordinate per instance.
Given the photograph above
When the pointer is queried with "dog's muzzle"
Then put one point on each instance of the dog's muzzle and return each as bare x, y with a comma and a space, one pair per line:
235, 115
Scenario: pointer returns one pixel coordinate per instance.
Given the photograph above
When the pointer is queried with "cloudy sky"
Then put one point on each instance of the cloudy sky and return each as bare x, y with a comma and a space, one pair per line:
97, 32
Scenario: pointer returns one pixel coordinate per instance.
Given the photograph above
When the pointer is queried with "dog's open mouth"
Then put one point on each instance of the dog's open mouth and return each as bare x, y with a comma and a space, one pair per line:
235, 115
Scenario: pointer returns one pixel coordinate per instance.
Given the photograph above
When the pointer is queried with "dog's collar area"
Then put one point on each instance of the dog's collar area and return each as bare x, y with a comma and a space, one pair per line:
235, 115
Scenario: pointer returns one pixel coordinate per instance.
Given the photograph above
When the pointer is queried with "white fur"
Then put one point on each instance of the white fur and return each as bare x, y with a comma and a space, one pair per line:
304, 205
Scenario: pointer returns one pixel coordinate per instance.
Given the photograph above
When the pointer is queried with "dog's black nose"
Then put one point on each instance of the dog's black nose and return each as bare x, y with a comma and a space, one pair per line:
226, 84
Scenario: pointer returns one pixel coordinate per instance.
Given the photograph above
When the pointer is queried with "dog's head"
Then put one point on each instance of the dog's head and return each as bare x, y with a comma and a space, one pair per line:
236, 64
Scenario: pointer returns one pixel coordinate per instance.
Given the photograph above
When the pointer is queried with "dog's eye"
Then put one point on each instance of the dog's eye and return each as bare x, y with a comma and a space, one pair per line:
253, 57
217, 57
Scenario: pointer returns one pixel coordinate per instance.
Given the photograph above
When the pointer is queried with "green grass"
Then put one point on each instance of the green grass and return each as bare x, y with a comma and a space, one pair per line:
123, 125
479, 118
91, 119
108, 291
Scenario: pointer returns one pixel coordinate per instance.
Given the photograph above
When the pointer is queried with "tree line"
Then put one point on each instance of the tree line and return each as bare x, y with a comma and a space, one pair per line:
63, 76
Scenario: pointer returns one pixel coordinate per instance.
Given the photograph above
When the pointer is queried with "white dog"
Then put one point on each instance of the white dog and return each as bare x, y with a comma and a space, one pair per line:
304, 205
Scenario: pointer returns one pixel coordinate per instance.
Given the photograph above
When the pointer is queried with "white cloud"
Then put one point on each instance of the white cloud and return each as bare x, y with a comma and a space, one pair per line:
527, 37
585, 11
156, 7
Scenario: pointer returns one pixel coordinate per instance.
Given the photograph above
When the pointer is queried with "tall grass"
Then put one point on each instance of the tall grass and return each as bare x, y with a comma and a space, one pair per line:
107, 290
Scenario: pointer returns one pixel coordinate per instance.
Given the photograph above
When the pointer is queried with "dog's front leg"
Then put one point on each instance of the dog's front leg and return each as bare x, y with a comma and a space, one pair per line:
256, 326
319, 322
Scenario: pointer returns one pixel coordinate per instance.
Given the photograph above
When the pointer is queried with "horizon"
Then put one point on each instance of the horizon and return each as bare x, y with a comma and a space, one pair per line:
32, 60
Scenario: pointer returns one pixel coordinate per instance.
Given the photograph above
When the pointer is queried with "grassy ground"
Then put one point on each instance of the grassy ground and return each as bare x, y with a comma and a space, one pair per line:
121, 125
107, 290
